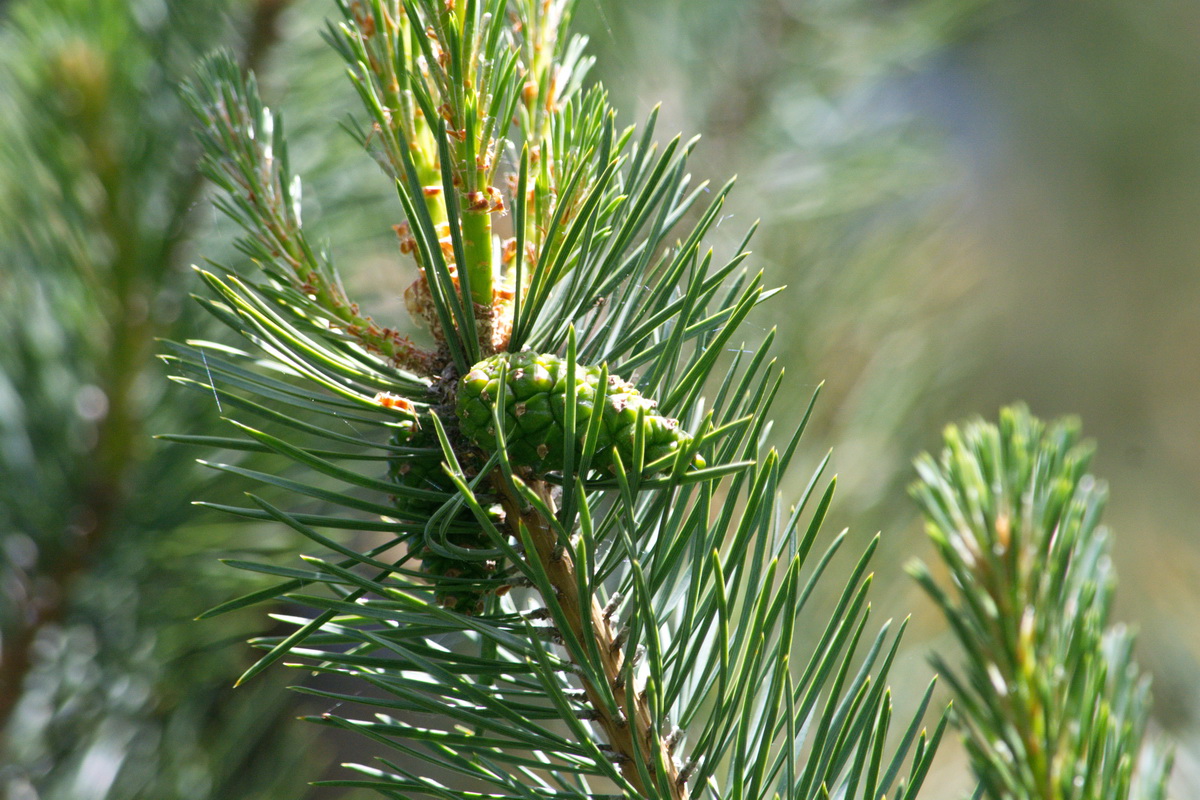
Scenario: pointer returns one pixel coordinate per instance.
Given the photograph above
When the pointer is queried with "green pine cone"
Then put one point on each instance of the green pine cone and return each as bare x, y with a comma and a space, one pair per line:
534, 400
459, 583
418, 471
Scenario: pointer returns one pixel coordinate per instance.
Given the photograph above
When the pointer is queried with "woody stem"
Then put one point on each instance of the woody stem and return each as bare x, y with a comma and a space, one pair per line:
585, 618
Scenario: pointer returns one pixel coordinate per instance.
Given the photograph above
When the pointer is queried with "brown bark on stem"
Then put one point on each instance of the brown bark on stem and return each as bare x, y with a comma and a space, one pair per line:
576, 613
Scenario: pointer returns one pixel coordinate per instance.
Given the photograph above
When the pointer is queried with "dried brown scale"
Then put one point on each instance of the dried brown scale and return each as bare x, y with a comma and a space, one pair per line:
494, 324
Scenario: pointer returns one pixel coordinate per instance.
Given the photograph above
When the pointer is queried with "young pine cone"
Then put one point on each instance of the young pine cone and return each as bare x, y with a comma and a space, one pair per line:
534, 399
459, 583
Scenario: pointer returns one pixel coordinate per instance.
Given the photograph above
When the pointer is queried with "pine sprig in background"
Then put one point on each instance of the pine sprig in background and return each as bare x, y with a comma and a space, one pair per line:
1050, 701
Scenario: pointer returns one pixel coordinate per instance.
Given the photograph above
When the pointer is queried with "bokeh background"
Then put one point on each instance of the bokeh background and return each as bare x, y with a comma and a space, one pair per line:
971, 201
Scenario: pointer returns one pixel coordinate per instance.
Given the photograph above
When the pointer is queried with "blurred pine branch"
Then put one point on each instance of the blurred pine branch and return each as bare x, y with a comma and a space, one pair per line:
1050, 701
106, 688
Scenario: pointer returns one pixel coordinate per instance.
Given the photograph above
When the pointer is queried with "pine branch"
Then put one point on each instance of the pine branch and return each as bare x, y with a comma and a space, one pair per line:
588, 573
1051, 704
627, 733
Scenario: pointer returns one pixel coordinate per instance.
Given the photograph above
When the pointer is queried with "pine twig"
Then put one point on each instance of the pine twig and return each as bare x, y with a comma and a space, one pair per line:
587, 618
1051, 705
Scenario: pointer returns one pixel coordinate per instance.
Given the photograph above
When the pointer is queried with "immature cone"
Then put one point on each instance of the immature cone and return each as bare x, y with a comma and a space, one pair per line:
459, 583
533, 403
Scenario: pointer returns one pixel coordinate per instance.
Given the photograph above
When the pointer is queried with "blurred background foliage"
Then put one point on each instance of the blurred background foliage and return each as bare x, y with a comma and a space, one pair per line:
972, 201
